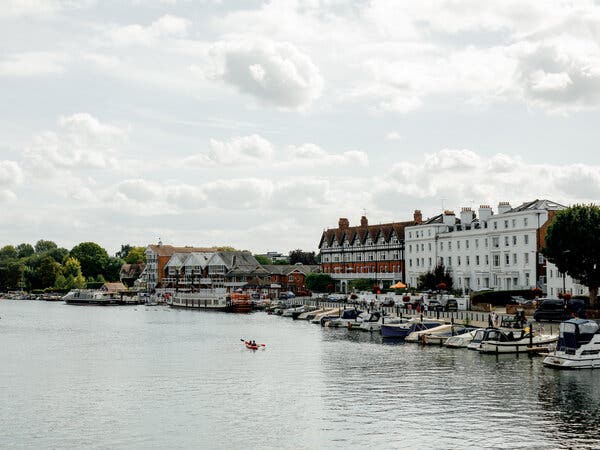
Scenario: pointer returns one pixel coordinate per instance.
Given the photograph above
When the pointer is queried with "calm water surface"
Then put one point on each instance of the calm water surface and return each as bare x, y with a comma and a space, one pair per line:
152, 377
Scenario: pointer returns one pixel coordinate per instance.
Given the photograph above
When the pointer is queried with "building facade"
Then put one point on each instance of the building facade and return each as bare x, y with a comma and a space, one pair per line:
486, 251
559, 282
365, 251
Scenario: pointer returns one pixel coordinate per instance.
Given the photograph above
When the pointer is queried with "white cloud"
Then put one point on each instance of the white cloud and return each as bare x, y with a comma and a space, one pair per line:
393, 136
461, 176
312, 154
31, 64
240, 150
80, 142
10, 173
16, 8
165, 27
274, 73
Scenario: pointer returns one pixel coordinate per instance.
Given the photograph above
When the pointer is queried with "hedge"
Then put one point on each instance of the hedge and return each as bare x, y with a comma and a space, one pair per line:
500, 298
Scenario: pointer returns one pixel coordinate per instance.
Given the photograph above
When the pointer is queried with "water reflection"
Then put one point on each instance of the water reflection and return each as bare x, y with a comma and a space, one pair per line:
161, 378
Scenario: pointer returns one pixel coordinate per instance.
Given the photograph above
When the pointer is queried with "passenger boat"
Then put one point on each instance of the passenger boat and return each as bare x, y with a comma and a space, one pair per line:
462, 340
578, 346
210, 299
401, 330
89, 297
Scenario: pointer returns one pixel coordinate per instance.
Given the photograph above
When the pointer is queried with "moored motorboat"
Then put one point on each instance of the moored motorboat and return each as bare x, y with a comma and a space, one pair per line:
415, 336
372, 322
401, 330
496, 340
348, 318
440, 338
462, 340
331, 312
578, 346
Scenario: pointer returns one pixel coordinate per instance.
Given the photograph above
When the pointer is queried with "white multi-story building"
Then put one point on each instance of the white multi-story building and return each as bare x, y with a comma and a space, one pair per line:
559, 282
495, 251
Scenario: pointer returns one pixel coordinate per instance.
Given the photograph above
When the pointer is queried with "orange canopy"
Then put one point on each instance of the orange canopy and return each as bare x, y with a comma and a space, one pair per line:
398, 285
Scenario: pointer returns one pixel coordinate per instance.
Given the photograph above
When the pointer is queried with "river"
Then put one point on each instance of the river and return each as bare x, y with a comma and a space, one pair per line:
154, 377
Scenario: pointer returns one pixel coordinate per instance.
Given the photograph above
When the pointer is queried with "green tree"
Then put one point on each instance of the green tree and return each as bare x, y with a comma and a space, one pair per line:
8, 252
573, 244
70, 276
113, 269
25, 250
363, 284
136, 255
125, 249
48, 272
264, 260
93, 258
43, 246
11, 275
434, 278
58, 254
299, 256
319, 282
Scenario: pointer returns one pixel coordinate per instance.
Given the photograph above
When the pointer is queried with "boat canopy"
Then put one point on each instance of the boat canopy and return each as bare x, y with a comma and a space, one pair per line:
576, 332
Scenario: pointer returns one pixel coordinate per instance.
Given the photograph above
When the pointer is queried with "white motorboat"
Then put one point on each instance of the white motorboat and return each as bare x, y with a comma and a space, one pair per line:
415, 336
296, 311
330, 312
462, 340
440, 337
578, 346
311, 314
520, 341
348, 318
373, 321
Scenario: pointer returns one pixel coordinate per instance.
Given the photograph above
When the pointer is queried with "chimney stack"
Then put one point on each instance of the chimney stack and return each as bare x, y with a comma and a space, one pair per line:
418, 217
449, 218
466, 216
343, 223
485, 213
503, 207
363, 221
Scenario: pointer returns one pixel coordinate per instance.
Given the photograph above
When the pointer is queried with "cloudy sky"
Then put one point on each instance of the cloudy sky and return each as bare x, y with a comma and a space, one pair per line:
259, 123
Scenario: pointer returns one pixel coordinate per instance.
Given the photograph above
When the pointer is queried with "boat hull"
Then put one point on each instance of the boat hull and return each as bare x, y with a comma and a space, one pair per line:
521, 346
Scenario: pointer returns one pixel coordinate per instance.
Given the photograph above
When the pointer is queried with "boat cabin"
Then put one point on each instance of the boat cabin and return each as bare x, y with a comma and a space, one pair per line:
576, 332
350, 314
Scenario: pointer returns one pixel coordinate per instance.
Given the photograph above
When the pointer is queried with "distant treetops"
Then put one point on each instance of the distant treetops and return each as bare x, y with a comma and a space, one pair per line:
45, 265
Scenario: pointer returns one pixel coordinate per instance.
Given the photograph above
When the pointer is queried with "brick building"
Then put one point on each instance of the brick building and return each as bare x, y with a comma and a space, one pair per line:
365, 251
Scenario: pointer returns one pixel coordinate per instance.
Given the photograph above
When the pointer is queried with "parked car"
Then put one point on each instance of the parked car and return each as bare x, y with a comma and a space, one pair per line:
336, 298
518, 300
388, 301
555, 309
451, 305
286, 295
435, 305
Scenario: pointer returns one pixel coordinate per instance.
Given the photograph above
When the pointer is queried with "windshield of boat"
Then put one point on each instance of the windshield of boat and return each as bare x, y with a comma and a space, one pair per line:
479, 334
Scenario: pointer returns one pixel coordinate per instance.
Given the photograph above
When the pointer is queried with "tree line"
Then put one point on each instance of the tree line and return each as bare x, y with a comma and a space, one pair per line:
45, 265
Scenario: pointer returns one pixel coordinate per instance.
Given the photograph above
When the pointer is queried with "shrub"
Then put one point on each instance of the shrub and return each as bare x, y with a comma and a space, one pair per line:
500, 298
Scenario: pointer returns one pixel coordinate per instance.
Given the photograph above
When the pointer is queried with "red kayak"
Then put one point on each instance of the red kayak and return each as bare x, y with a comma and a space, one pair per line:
253, 347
